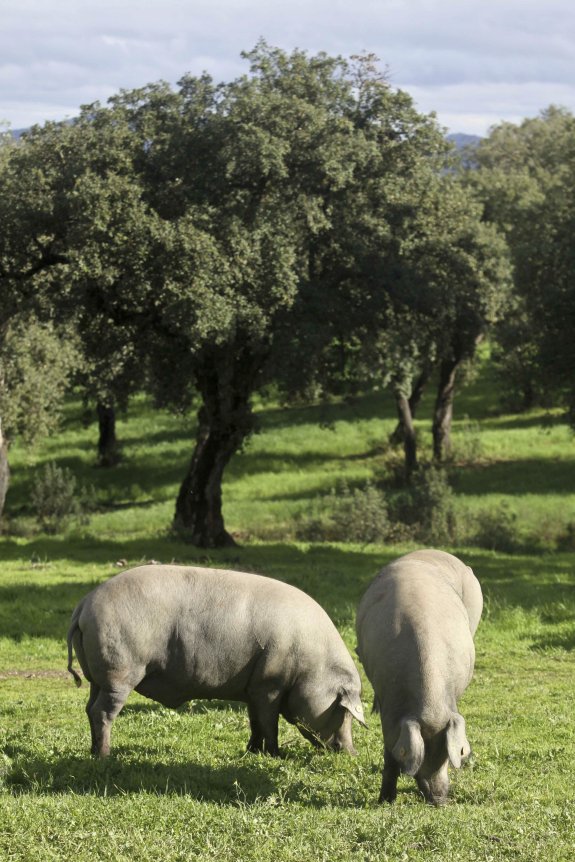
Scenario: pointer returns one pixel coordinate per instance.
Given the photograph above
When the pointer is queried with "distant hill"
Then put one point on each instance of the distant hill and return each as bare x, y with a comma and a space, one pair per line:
17, 133
461, 140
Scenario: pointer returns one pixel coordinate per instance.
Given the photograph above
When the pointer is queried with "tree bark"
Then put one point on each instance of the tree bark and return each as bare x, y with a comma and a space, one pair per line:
225, 421
397, 436
108, 453
443, 413
408, 429
4, 470
199, 503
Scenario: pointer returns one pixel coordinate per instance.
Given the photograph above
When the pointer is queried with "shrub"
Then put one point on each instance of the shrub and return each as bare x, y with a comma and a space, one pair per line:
424, 511
360, 515
57, 499
428, 506
496, 529
36, 362
312, 529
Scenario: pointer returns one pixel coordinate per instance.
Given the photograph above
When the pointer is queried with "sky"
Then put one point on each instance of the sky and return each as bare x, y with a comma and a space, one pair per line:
475, 63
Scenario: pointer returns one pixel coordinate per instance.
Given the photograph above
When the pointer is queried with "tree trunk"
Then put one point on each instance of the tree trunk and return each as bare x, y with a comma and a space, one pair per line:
225, 421
199, 504
443, 412
4, 470
408, 430
397, 436
108, 453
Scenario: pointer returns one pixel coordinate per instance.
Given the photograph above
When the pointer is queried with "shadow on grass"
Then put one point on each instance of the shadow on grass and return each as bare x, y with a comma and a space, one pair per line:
195, 707
336, 576
555, 641
245, 782
157, 477
369, 405
521, 421
244, 779
250, 465
523, 476
153, 477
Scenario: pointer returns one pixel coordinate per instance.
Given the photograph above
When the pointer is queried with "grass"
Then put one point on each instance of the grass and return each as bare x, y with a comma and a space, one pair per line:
178, 784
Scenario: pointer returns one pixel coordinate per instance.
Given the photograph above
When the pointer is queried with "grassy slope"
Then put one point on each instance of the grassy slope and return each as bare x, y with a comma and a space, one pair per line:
178, 785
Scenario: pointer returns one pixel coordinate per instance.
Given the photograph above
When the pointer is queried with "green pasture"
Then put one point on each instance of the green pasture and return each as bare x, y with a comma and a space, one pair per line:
178, 785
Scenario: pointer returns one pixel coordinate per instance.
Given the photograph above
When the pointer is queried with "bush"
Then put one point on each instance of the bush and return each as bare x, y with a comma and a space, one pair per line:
36, 363
424, 512
496, 529
360, 515
428, 506
57, 499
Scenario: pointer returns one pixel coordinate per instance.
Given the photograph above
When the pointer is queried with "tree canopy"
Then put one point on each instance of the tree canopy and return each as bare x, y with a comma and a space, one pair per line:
525, 176
206, 240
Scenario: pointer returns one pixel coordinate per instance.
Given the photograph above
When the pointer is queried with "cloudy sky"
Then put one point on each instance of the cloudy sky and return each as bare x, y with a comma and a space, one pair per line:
473, 62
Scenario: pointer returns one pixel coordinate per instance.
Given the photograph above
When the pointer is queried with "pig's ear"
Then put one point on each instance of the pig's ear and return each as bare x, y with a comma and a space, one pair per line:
409, 750
353, 704
458, 748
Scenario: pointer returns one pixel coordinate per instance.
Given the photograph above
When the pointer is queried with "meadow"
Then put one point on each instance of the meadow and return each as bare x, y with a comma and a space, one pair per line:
179, 784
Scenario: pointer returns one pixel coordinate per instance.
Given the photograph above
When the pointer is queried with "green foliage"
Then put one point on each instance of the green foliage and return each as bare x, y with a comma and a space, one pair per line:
515, 355
212, 236
526, 179
454, 286
496, 529
358, 515
36, 362
56, 498
428, 505
361, 515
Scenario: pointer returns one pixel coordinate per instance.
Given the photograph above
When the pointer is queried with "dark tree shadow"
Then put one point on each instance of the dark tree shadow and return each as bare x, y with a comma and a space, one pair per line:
38, 610
523, 420
522, 476
554, 641
335, 577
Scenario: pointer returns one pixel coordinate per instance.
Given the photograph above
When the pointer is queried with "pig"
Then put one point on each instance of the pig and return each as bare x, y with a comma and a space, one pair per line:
176, 633
415, 626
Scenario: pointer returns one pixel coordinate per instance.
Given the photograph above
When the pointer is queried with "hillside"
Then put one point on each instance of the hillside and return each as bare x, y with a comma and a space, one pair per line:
461, 140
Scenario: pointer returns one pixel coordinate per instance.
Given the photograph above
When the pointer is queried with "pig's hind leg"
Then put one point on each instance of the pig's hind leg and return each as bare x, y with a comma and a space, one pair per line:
103, 707
94, 692
391, 770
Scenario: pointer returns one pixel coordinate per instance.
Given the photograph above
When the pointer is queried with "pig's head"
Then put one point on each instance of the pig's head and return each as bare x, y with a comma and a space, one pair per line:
324, 713
428, 759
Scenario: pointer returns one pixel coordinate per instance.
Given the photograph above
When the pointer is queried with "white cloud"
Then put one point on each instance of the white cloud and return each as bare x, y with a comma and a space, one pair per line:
474, 62
473, 108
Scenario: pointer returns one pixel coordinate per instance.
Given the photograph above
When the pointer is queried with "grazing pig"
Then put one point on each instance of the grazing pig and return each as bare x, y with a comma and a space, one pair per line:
415, 627
174, 633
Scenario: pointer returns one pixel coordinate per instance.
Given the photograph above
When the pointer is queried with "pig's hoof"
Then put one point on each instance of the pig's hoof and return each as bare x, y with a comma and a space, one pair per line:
388, 795
259, 747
